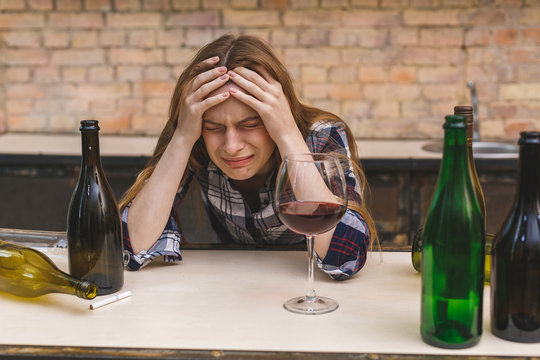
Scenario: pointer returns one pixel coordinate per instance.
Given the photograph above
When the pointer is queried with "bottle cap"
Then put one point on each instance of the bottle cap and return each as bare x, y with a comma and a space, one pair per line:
454, 122
529, 137
89, 125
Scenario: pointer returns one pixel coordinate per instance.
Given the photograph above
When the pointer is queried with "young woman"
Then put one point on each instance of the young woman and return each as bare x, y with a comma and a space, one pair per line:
233, 116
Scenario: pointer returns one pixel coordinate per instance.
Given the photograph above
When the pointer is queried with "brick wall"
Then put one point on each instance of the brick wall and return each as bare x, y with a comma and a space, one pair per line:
391, 68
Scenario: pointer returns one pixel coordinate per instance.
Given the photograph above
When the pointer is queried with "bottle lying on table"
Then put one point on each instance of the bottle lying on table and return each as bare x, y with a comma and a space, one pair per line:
29, 273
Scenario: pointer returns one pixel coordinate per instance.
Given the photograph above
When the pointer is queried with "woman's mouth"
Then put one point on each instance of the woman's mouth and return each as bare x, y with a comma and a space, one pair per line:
238, 161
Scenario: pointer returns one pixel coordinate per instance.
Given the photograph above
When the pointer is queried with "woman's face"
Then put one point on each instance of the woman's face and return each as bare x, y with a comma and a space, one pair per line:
236, 139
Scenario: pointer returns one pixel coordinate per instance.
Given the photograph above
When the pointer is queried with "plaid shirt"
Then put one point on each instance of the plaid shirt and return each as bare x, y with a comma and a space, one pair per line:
234, 219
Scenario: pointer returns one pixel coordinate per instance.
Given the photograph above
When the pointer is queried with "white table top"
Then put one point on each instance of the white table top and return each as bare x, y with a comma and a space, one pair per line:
70, 144
232, 300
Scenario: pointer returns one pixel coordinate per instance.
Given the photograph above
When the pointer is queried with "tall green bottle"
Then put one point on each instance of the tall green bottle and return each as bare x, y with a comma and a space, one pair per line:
453, 250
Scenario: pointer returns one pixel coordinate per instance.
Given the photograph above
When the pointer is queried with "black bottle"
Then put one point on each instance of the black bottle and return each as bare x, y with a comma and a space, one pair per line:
515, 262
94, 230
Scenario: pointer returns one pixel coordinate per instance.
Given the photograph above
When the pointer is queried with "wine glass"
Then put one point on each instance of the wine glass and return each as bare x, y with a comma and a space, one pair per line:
310, 199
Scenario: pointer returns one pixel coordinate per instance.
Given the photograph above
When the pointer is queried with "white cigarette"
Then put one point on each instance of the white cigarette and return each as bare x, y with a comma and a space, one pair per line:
110, 300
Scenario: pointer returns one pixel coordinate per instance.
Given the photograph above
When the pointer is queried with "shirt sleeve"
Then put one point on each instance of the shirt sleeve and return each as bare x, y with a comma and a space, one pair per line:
166, 246
346, 254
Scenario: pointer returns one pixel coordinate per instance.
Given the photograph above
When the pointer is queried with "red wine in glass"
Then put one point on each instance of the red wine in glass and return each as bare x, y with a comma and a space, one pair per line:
311, 217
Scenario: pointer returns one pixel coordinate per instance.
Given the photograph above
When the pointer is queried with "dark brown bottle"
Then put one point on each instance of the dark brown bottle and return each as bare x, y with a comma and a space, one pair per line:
515, 262
94, 230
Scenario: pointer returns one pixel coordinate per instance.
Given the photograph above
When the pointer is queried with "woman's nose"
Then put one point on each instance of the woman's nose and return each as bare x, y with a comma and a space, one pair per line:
233, 142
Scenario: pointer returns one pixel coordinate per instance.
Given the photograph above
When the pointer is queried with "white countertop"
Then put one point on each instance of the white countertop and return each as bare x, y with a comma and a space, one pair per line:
42, 144
232, 300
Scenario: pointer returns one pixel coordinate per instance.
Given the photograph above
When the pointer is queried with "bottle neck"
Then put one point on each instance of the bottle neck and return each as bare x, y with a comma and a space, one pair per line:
529, 173
455, 152
90, 148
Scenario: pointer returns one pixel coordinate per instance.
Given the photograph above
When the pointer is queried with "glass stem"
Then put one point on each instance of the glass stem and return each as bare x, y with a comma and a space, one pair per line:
310, 292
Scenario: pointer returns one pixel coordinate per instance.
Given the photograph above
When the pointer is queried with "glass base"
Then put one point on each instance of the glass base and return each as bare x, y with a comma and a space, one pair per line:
319, 305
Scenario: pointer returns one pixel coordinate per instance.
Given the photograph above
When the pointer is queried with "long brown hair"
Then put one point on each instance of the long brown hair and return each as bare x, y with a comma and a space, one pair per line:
250, 52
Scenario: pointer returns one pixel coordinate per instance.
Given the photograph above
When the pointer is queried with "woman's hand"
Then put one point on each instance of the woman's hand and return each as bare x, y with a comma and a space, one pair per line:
264, 94
195, 100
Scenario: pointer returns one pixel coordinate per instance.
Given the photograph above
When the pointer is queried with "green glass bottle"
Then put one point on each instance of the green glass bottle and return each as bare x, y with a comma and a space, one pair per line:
94, 229
515, 280
453, 250
29, 273
416, 252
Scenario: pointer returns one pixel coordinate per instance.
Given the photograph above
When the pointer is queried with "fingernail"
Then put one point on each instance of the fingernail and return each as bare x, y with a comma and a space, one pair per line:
214, 59
222, 69
232, 73
224, 77
225, 94
233, 90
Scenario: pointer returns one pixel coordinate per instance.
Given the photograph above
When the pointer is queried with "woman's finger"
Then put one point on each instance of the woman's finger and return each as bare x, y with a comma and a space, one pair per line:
212, 101
207, 76
247, 85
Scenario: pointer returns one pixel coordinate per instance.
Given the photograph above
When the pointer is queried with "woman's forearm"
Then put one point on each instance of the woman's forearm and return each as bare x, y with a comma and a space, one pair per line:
151, 208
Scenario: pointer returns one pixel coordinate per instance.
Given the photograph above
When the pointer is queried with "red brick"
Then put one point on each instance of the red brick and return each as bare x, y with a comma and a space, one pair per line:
130, 106
403, 74
313, 74
25, 57
441, 37
162, 5
157, 106
114, 91
103, 106
56, 39
48, 74
12, 5
76, 21
198, 37
439, 75
74, 74
24, 91
127, 5
457, 3
40, 4
129, 73
439, 92
99, 5
343, 74
179, 56
114, 124
530, 16
27, 123
161, 73
154, 89
366, 18
503, 111
148, 124
509, 3
274, 4
524, 55
373, 74
359, 37
425, 4
142, 38
431, 17
194, 19
63, 123
520, 91
355, 109
372, 56
21, 21
430, 56
532, 35
101, 74
255, 18
514, 127
303, 4
477, 37
385, 109
244, 4
284, 38
60, 91
22, 39
313, 91
314, 37
395, 91
170, 37
404, 36
416, 109
137, 20
364, 3
17, 74
485, 16
136, 56
315, 56
112, 38
334, 4
394, 4
506, 36
528, 73
68, 5
78, 57
186, 4
315, 18
19, 106
84, 39
215, 4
